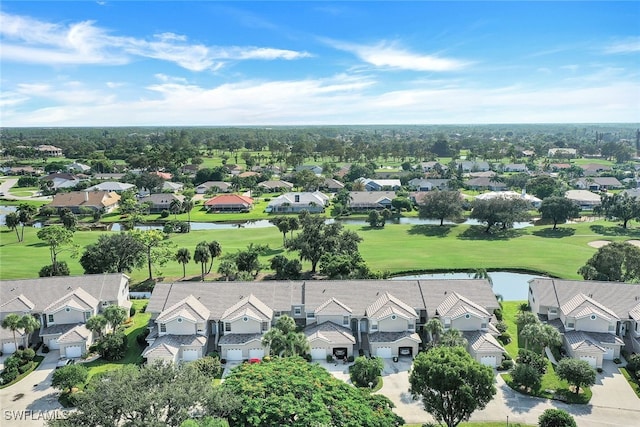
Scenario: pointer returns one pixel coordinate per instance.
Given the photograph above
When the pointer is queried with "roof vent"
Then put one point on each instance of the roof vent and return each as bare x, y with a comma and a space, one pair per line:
590, 295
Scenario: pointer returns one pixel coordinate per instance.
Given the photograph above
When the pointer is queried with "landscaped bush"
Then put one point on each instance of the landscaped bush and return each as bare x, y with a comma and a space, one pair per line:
617, 360
505, 365
329, 358
532, 359
505, 338
164, 214
45, 349
132, 311
366, 371
112, 346
501, 327
633, 363
350, 359
498, 314
209, 366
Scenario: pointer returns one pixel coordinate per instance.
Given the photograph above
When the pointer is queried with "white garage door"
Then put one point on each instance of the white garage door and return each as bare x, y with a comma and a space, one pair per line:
234, 354
189, 354
256, 353
53, 344
73, 351
319, 353
384, 352
9, 348
589, 359
488, 361
609, 354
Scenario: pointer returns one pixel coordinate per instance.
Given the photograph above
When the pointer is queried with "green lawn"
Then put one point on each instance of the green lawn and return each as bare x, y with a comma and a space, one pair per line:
139, 323
397, 248
635, 385
509, 311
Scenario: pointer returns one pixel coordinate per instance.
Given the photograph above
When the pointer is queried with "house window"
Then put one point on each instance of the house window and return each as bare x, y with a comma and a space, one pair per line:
50, 319
297, 198
612, 328
297, 311
163, 327
593, 317
200, 329
467, 316
265, 326
227, 327
345, 320
67, 309
179, 319
570, 325
410, 326
483, 326
87, 315
245, 319
394, 317
374, 326
553, 311
311, 315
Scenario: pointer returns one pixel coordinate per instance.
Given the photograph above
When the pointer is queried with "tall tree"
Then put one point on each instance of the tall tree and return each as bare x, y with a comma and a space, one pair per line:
113, 253
283, 226
616, 262
558, 209
215, 250
29, 324
435, 329
451, 384
441, 205
96, 324
156, 249
500, 210
12, 221
69, 376
576, 372
619, 206
12, 323
183, 256
283, 340
115, 315
25, 215
58, 239
201, 256
452, 338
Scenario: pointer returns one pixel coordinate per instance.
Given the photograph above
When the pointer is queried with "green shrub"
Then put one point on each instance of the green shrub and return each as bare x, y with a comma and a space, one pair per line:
533, 359
112, 346
505, 365
350, 359
498, 313
132, 311
633, 362
617, 361
45, 349
329, 358
24, 368
366, 371
164, 214
501, 327
505, 338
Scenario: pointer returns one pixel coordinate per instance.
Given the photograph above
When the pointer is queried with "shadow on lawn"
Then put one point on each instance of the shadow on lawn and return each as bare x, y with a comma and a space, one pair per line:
558, 233
477, 232
615, 230
431, 230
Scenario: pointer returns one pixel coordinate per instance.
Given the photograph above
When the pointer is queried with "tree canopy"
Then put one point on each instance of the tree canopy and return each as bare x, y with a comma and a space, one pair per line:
293, 392
58, 239
284, 340
558, 209
556, 418
441, 205
619, 206
451, 384
576, 372
500, 211
616, 262
113, 253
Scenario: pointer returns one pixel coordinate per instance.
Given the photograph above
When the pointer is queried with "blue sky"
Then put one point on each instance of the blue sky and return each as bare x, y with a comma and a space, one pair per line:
119, 63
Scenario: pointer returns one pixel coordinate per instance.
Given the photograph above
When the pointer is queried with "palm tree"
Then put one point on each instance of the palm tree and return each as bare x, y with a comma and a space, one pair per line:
25, 215
202, 255
214, 250
12, 221
12, 322
96, 324
283, 339
30, 324
435, 329
187, 206
175, 206
228, 269
183, 256
548, 337
453, 338
530, 333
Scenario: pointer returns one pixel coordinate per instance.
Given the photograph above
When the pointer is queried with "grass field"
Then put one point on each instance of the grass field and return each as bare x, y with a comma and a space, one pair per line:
397, 248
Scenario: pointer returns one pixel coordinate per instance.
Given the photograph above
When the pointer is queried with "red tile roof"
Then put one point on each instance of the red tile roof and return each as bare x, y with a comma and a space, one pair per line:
229, 199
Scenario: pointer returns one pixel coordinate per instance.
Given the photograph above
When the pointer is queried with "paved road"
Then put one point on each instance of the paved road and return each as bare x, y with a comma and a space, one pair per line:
8, 183
32, 401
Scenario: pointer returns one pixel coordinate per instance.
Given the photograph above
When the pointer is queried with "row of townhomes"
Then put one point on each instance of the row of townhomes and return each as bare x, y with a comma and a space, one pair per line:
383, 318
596, 319
62, 305
339, 318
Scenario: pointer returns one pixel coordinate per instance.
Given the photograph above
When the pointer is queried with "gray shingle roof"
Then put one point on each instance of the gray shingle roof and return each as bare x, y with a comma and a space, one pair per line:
620, 298
102, 287
482, 342
230, 339
333, 307
78, 298
456, 305
249, 306
17, 304
579, 340
393, 336
74, 335
189, 308
169, 345
581, 306
330, 332
386, 305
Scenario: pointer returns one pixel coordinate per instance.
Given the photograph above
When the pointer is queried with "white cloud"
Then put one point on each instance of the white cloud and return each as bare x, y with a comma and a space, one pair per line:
628, 45
389, 55
29, 40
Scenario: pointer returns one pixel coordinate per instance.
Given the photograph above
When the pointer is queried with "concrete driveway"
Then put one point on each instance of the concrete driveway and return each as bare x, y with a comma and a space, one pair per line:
32, 401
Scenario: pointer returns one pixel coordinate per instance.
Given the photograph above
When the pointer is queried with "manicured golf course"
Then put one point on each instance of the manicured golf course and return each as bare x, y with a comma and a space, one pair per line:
397, 248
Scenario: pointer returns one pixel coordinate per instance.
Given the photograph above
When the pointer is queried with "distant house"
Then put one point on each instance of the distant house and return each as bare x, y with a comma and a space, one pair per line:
105, 201
159, 202
190, 169
275, 185
485, 174
117, 187
515, 167
229, 203
174, 187
370, 200
593, 169
49, 150
108, 176
559, 166
78, 167
430, 166
331, 185
634, 192
485, 184
428, 184
248, 174
56, 181
299, 201
313, 168
535, 202
164, 175
473, 166
598, 183
215, 186
584, 198
380, 184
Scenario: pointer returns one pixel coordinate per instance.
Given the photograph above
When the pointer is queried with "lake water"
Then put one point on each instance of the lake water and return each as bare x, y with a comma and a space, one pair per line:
512, 286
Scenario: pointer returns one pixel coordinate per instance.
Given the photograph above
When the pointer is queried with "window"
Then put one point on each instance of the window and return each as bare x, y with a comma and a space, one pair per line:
163, 327
87, 315
345, 320
297, 311
553, 311
311, 315
245, 319
179, 319
297, 198
374, 326
410, 326
67, 309
265, 326
483, 326
394, 317
612, 328
467, 316
50, 318
200, 329
570, 325
227, 327
593, 317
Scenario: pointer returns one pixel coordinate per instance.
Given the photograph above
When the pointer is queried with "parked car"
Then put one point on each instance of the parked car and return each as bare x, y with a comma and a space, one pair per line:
405, 352
64, 362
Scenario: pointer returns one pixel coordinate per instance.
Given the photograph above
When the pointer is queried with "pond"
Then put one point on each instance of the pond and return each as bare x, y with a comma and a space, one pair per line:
512, 286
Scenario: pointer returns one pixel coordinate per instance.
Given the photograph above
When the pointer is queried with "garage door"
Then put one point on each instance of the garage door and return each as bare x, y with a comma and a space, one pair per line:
589, 359
319, 353
234, 354
189, 354
9, 348
53, 344
73, 351
488, 361
384, 352
609, 353
256, 353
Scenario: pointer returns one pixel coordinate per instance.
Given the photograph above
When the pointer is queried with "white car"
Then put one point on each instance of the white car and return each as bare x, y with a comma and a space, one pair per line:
64, 362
